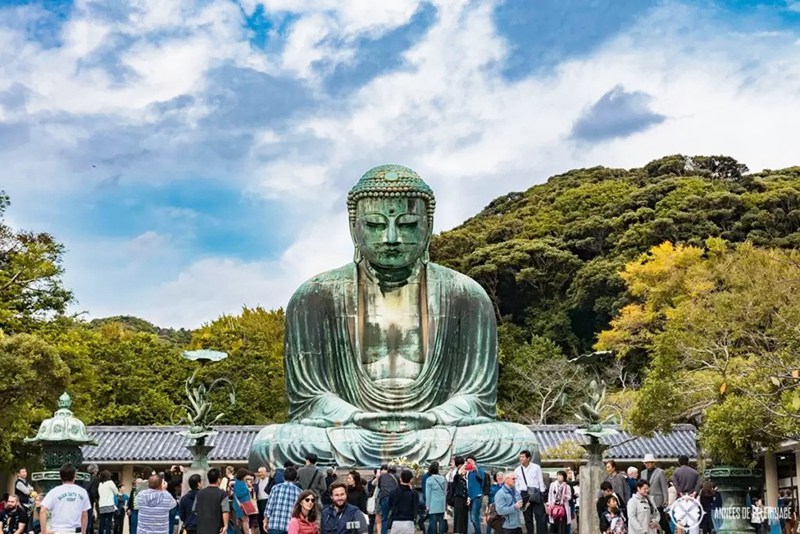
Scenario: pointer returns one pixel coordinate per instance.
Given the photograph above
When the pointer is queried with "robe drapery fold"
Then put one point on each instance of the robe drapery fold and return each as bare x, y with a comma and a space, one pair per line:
327, 384
322, 353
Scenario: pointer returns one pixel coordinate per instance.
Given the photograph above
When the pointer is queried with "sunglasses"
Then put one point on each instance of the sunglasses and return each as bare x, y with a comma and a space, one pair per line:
310, 499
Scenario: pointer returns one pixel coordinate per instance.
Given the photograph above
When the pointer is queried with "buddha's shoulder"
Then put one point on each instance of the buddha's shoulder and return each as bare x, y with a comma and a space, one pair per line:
327, 280
455, 280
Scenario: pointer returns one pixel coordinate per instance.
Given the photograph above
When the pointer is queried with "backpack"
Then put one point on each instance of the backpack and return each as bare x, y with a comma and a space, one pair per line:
486, 482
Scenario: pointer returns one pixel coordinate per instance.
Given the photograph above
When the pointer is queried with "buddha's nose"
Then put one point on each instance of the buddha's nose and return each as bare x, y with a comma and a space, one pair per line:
391, 233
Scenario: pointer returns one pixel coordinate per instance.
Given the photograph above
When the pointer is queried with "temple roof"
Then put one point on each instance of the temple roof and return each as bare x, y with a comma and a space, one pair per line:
162, 444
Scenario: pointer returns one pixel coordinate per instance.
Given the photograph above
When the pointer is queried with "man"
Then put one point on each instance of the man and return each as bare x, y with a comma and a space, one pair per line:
633, 478
643, 517
330, 478
387, 483
211, 507
659, 491
403, 505
264, 485
155, 504
530, 485
279, 472
133, 506
281, 502
475, 479
618, 482
121, 502
14, 517
685, 479
67, 505
92, 487
22, 489
186, 505
508, 503
337, 516
311, 478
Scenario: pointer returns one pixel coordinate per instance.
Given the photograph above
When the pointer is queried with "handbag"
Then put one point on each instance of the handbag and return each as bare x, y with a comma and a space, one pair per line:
556, 511
372, 502
248, 507
534, 496
495, 520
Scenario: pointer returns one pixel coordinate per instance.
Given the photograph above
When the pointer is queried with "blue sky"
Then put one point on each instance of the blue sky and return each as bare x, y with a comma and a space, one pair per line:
194, 156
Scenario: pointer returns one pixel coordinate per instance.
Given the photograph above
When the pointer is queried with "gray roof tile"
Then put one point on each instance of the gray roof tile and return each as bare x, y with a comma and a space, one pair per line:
126, 444
681, 441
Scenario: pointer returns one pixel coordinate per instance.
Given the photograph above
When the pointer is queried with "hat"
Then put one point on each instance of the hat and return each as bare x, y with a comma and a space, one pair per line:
649, 458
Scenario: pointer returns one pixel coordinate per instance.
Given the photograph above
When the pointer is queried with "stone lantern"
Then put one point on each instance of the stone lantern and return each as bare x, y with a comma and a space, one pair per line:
61, 437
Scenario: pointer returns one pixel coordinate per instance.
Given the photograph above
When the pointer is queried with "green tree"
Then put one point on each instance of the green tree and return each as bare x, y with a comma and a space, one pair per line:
119, 376
34, 375
31, 290
719, 324
254, 343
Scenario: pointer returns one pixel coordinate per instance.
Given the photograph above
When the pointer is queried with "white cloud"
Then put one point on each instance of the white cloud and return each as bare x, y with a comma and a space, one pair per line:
448, 113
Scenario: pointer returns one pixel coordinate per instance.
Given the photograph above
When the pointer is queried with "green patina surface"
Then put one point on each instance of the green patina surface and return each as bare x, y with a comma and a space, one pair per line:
391, 356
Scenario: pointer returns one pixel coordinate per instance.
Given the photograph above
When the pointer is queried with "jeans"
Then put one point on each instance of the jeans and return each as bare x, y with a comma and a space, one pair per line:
475, 514
276, 531
90, 521
173, 517
119, 522
371, 526
436, 524
385, 515
107, 523
134, 521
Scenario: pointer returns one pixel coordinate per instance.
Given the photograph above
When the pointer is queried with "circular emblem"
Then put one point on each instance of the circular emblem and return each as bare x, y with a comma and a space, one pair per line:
391, 176
687, 512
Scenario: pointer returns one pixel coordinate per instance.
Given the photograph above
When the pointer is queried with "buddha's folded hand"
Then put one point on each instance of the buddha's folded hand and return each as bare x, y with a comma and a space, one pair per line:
394, 421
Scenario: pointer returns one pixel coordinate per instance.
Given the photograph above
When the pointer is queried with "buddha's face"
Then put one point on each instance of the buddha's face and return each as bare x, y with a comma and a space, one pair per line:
391, 233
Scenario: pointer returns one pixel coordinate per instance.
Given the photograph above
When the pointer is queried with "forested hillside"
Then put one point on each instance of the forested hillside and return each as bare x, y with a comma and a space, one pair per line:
550, 257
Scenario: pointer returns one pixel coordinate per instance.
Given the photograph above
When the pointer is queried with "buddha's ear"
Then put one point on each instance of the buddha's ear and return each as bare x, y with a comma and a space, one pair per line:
357, 257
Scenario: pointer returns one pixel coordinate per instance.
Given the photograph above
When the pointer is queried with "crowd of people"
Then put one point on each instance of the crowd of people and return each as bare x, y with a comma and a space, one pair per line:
464, 498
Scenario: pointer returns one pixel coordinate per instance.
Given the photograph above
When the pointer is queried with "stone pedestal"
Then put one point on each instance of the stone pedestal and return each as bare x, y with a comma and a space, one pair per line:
591, 476
732, 483
199, 463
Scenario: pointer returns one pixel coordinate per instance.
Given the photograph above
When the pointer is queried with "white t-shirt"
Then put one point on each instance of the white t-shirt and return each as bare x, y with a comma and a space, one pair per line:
66, 503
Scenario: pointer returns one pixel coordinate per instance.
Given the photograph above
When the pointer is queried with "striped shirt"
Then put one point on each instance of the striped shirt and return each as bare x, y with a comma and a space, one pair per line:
154, 507
280, 504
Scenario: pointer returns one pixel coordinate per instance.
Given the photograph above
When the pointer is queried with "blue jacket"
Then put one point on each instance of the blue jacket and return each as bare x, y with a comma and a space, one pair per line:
185, 507
333, 523
493, 491
475, 481
435, 490
504, 503
240, 494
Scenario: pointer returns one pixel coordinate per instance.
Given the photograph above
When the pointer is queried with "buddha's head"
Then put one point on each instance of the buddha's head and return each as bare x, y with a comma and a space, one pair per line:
391, 218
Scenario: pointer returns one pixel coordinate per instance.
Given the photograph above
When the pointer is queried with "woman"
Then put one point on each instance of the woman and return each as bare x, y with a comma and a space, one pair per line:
242, 503
356, 494
758, 517
558, 510
457, 496
707, 497
614, 522
372, 487
106, 491
499, 478
254, 517
435, 497
305, 514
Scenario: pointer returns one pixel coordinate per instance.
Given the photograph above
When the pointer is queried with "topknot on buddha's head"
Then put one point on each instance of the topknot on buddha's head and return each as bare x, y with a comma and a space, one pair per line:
386, 181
